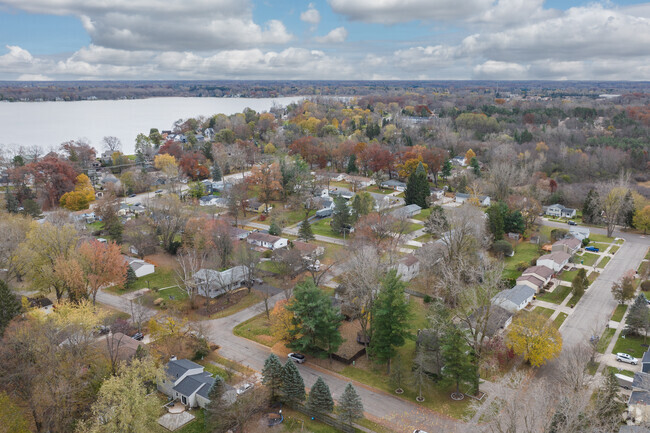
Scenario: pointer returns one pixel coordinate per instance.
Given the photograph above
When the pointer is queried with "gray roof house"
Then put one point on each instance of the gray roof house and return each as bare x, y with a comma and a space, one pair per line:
186, 381
579, 233
211, 283
514, 299
557, 210
393, 184
645, 362
498, 318
483, 200
406, 211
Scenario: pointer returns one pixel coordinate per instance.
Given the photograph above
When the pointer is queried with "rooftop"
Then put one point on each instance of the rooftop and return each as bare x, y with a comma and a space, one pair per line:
542, 271
558, 257
516, 295
264, 237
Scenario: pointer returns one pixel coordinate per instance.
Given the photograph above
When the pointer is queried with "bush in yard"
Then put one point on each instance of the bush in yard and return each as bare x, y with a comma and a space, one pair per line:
645, 286
502, 247
267, 254
201, 349
585, 242
522, 266
557, 234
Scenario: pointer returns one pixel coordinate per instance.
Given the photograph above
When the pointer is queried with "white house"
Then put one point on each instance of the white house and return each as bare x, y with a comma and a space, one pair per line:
557, 210
359, 181
393, 184
211, 283
568, 245
483, 200
266, 240
437, 193
514, 299
459, 160
555, 261
325, 206
188, 382
408, 268
140, 267
579, 233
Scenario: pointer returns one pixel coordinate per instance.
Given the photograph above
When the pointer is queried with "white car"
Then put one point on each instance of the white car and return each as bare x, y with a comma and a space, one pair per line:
624, 357
297, 357
245, 387
419, 431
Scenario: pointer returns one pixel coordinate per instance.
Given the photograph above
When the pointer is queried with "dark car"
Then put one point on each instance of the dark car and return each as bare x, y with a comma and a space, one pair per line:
158, 191
132, 195
138, 336
572, 223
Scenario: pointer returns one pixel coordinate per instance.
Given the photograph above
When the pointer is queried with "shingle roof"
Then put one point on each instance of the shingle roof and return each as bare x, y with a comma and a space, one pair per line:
532, 278
557, 257
569, 242
264, 237
405, 211
497, 318
179, 367
641, 380
646, 356
516, 295
639, 397
542, 271
393, 182
409, 260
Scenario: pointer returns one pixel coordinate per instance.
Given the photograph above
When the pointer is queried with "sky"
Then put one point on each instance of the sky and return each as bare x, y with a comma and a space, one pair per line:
324, 39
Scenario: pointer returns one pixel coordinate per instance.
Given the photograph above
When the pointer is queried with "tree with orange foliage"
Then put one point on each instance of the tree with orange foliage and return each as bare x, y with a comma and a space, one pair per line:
80, 198
102, 265
469, 155
281, 321
409, 167
269, 180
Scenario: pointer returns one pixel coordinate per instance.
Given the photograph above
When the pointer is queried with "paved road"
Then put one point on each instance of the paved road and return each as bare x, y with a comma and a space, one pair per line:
404, 416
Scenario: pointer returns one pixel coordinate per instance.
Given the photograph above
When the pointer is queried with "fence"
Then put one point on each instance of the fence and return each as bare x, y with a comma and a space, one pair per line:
324, 418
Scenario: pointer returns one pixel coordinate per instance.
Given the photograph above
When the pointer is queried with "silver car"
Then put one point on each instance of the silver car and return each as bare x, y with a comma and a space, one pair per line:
624, 357
297, 357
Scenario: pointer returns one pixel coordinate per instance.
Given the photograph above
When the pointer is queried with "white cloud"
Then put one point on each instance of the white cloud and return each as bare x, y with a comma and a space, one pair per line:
198, 25
336, 36
34, 77
311, 16
492, 70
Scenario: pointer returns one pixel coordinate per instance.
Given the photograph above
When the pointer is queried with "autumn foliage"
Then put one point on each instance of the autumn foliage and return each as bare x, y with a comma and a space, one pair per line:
535, 338
81, 197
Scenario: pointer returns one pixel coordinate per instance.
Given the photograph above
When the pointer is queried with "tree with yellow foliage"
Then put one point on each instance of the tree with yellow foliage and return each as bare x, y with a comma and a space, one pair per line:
167, 164
409, 167
534, 337
281, 321
469, 155
167, 334
80, 198
642, 219
269, 149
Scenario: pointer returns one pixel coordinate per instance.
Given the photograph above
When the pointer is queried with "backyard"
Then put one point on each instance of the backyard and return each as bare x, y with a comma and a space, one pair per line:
524, 252
322, 227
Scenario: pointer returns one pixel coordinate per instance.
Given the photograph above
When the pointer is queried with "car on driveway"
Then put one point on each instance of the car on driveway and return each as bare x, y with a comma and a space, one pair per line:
138, 336
133, 195
244, 387
624, 357
297, 357
592, 249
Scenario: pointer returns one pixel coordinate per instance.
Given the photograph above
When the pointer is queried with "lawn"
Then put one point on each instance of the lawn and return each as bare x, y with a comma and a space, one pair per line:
97, 225
556, 296
172, 294
631, 344
614, 249
647, 256
424, 238
600, 238
249, 300
615, 370
258, 329
322, 227
574, 300
600, 245
423, 215
196, 426
412, 227
619, 312
588, 259
548, 312
161, 278
524, 252
559, 320
378, 190
604, 262
568, 276
286, 217
604, 340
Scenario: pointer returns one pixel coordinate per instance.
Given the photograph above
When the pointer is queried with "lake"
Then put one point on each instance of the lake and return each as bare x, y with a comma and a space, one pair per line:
48, 124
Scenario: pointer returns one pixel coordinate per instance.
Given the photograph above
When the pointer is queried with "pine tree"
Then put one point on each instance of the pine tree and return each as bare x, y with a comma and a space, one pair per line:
214, 409
293, 387
352, 164
580, 283
458, 368
320, 397
274, 229
217, 175
417, 188
304, 232
272, 374
638, 318
341, 218
350, 405
11, 202
446, 170
475, 166
391, 317
590, 208
130, 277
9, 306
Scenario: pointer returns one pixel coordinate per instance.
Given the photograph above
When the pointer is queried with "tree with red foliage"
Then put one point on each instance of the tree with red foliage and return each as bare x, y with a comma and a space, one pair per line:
54, 177
309, 149
79, 153
191, 165
376, 158
434, 157
172, 148
552, 184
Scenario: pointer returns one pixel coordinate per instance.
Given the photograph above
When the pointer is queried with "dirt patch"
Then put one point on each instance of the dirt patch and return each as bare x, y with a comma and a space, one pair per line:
162, 259
210, 306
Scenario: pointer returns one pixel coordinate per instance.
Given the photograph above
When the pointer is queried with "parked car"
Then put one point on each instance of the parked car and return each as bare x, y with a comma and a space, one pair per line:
158, 191
297, 357
592, 249
572, 223
138, 336
245, 387
133, 195
102, 329
624, 357
419, 431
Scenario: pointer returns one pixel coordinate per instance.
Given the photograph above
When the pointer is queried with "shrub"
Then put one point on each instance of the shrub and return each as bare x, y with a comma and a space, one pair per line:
427, 299
201, 349
645, 286
585, 242
502, 247
522, 266
267, 254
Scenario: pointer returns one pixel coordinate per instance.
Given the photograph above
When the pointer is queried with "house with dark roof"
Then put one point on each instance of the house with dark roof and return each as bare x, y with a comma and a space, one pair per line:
568, 245
638, 406
531, 281
211, 283
184, 379
645, 362
393, 184
514, 299
266, 240
497, 319
408, 211
542, 272
237, 234
559, 211
324, 206
579, 233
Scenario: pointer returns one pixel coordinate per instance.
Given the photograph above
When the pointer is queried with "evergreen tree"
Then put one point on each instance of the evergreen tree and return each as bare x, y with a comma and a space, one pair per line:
609, 406
417, 188
580, 283
462, 185
341, 218
362, 204
390, 324
11, 202
272, 374
496, 223
131, 278
352, 164
458, 366
514, 222
446, 169
628, 210
293, 387
320, 398
214, 409
217, 175
475, 167
591, 207
350, 405
638, 318
9, 306
304, 232
274, 229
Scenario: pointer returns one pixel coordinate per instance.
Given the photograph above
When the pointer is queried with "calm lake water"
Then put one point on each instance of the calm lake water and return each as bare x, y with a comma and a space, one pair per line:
48, 124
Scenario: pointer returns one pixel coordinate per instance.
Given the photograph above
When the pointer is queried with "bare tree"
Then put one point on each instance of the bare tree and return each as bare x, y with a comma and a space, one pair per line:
612, 200
139, 313
190, 261
112, 144
169, 217
139, 232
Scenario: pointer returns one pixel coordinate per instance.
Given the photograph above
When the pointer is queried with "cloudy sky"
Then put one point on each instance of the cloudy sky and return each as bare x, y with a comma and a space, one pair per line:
324, 39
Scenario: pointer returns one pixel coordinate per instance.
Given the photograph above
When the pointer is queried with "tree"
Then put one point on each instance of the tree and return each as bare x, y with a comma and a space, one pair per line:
293, 387
274, 228
446, 170
304, 232
623, 290
52, 177
390, 324
315, 321
268, 179
9, 306
458, 367
475, 166
141, 235
642, 219
469, 155
535, 338
608, 403
216, 172
580, 283
125, 402
591, 207
502, 247
496, 222
613, 202
628, 210
13, 231
83, 194
272, 374
350, 405
281, 321
112, 144
352, 166
417, 188
11, 418
169, 218
102, 265
214, 410
410, 166
341, 218
638, 318
320, 398
420, 376
362, 204
190, 261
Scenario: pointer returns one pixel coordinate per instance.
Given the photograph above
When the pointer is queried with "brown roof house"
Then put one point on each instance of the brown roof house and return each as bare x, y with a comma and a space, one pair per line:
266, 240
307, 250
555, 261
568, 245
531, 281
408, 267
542, 272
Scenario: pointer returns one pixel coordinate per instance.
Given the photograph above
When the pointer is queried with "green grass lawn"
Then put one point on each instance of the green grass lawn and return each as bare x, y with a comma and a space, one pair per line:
600, 238
172, 294
631, 344
322, 227
378, 190
412, 227
568, 276
423, 215
592, 367
162, 277
604, 340
258, 329
615, 370
601, 245
574, 300
556, 296
424, 238
97, 225
604, 262
647, 256
548, 312
592, 277
288, 217
559, 320
587, 259
614, 249
619, 312
524, 252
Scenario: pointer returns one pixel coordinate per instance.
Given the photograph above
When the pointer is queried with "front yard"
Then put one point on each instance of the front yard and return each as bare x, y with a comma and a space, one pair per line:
556, 296
588, 259
604, 262
631, 344
322, 227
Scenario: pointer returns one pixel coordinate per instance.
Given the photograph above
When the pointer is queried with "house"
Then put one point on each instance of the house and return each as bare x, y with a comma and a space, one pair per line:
531, 281
237, 234
514, 299
459, 160
645, 362
483, 200
211, 283
559, 211
341, 192
580, 233
568, 245
437, 193
307, 250
266, 240
638, 406
211, 200
633, 429
555, 261
125, 347
254, 205
188, 382
324, 206
498, 319
394, 184
542, 272
41, 303
408, 267
359, 182
140, 267
407, 211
